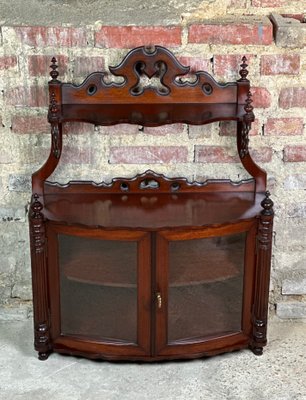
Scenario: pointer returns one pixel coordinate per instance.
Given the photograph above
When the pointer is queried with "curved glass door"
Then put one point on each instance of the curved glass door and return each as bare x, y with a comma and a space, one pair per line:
100, 281
202, 295
205, 293
98, 288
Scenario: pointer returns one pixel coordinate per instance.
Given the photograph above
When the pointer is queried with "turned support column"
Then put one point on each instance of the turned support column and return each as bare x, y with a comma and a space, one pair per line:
263, 266
39, 279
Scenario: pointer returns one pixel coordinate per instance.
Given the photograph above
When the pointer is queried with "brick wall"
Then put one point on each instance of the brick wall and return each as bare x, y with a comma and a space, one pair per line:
278, 138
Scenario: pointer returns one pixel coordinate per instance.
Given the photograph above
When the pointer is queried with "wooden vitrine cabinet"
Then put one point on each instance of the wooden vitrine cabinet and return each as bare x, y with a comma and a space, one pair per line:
150, 267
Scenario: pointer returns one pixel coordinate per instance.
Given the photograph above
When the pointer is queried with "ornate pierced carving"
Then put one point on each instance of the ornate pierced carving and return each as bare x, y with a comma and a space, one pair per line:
244, 150
243, 72
152, 72
149, 181
154, 81
54, 72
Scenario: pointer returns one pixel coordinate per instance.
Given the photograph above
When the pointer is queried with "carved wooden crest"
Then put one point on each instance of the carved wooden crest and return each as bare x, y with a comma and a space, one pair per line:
153, 74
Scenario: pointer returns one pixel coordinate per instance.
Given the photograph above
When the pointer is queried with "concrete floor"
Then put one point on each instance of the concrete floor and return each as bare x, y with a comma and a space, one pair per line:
280, 374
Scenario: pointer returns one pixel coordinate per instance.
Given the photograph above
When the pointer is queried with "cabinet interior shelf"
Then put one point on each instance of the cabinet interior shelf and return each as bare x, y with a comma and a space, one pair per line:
115, 267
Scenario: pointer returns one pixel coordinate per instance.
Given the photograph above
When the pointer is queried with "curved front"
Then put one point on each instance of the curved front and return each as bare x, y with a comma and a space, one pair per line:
204, 280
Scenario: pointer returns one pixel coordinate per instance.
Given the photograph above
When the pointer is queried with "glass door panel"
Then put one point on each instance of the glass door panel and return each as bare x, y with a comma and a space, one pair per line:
205, 293
98, 288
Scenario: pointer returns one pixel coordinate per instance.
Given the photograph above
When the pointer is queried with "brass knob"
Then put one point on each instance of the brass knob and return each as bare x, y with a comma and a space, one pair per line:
159, 299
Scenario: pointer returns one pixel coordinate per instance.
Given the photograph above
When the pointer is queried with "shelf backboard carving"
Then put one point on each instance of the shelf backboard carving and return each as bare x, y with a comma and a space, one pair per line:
150, 73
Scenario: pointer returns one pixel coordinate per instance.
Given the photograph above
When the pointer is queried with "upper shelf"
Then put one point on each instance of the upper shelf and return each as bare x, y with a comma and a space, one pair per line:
155, 89
151, 114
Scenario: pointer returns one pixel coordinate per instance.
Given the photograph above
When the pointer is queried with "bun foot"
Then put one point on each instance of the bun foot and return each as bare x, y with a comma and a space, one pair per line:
258, 351
43, 356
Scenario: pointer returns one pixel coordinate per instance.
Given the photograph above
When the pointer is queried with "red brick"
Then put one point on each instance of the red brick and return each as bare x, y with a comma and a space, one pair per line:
295, 153
229, 128
214, 154
86, 65
229, 64
170, 129
148, 154
268, 3
285, 64
34, 96
130, 36
39, 65
232, 33
30, 124
201, 131
79, 128
40, 36
120, 129
261, 97
76, 155
7, 62
292, 97
284, 126
195, 63
262, 154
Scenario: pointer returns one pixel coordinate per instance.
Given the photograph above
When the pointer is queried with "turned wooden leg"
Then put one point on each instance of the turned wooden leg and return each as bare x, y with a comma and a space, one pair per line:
43, 356
39, 280
263, 266
258, 351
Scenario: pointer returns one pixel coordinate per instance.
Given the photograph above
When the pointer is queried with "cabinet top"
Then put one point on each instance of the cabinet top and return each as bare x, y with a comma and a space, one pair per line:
155, 89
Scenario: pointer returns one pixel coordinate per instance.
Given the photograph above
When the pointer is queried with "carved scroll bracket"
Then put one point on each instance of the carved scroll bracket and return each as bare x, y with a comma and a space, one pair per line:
55, 140
246, 125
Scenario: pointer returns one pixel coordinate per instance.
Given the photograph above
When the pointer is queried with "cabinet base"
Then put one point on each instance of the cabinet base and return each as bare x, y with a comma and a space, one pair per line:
108, 357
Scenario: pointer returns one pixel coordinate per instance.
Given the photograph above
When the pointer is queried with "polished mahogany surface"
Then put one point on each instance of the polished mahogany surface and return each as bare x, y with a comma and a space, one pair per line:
150, 267
152, 211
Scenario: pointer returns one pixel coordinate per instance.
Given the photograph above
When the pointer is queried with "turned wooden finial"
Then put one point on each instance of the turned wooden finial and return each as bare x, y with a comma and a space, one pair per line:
54, 72
267, 205
243, 72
